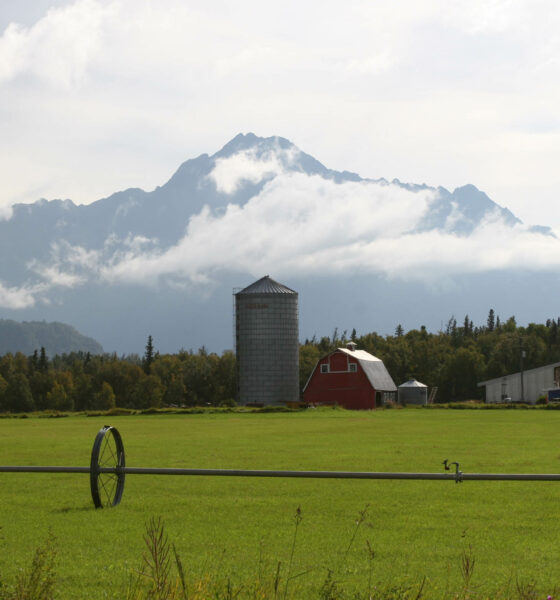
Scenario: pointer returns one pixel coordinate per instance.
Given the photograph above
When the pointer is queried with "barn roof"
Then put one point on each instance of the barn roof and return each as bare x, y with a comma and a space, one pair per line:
374, 369
266, 285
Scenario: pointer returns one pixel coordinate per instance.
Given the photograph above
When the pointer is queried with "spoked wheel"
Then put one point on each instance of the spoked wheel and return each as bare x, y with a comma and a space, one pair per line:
107, 468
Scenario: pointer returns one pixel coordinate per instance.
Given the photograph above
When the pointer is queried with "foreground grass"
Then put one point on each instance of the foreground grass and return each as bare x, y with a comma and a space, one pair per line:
239, 529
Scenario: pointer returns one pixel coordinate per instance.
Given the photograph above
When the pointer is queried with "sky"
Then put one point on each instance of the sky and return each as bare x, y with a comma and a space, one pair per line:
101, 95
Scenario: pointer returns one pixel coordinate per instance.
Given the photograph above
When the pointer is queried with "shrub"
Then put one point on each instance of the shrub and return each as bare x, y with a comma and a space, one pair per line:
38, 582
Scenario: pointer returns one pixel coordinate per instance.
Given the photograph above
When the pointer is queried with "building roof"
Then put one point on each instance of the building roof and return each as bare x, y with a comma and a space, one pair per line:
266, 285
518, 374
412, 383
373, 367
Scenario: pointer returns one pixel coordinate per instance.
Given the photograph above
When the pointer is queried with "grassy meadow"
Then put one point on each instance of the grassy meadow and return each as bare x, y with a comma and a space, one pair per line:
237, 530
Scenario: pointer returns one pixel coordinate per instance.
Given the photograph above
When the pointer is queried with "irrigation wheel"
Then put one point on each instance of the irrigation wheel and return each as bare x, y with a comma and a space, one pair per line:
107, 468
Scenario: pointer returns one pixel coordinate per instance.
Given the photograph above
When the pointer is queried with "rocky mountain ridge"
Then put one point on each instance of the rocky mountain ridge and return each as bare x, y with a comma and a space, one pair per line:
85, 264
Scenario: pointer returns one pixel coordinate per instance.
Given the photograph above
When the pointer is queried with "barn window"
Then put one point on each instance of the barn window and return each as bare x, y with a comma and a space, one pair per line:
352, 367
325, 368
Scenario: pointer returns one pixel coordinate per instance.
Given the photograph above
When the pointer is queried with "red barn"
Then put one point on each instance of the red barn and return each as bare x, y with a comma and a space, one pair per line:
350, 378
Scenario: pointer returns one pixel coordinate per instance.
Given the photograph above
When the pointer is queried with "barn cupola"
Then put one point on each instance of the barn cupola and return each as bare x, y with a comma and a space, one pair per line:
351, 346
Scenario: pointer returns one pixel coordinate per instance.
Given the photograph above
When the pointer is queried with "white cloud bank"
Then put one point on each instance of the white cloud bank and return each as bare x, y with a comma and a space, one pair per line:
297, 226
301, 226
442, 91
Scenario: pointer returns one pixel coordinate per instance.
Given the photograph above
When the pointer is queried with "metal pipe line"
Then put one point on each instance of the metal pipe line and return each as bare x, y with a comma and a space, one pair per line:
27, 469
460, 476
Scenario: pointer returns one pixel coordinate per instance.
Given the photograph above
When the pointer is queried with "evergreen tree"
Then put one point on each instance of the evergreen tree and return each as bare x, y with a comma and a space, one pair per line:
490, 322
34, 361
148, 358
399, 331
43, 364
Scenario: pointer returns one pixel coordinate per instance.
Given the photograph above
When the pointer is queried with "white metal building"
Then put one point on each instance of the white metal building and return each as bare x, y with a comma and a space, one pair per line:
515, 388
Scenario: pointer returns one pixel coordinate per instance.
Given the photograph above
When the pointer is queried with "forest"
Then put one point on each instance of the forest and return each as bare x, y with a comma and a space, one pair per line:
454, 359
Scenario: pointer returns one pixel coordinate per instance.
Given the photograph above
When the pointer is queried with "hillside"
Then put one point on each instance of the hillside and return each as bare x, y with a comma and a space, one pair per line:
56, 338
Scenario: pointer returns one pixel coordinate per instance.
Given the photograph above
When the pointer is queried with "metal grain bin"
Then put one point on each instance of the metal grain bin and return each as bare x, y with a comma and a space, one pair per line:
267, 343
413, 392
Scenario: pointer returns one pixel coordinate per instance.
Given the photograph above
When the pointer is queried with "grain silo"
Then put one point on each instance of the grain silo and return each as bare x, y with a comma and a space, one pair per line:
267, 343
413, 392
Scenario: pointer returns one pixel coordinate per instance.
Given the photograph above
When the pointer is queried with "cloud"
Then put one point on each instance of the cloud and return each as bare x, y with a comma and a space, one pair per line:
292, 225
18, 297
301, 225
231, 172
6, 213
297, 226
59, 48
430, 92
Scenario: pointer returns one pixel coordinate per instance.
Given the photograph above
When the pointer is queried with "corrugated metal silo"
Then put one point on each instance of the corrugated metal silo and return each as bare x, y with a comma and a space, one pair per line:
267, 343
413, 392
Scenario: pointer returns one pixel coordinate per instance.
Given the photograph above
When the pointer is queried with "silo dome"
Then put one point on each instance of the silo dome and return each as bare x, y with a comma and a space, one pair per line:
267, 343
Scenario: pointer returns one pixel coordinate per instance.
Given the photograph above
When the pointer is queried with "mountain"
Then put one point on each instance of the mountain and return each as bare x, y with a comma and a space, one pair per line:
56, 338
363, 253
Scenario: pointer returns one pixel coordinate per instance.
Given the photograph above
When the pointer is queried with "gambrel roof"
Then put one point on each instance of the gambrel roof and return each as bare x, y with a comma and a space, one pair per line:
373, 367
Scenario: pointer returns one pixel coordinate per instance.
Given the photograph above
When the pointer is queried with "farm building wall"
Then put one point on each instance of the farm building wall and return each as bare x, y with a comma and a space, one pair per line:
332, 382
536, 382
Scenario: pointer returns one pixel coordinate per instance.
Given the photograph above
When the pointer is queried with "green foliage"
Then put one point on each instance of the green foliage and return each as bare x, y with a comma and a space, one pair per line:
3, 388
105, 398
454, 360
58, 398
18, 396
38, 581
82, 382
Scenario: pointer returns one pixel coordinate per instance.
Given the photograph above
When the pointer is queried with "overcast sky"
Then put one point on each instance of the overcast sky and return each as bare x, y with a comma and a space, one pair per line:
101, 95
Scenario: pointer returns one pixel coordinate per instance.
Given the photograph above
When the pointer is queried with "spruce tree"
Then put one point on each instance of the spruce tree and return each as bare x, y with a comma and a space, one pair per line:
491, 322
148, 358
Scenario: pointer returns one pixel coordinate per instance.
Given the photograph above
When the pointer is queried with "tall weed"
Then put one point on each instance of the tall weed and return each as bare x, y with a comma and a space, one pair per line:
38, 581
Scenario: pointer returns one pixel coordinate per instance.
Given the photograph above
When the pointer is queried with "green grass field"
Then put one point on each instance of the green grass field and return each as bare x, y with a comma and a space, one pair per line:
240, 528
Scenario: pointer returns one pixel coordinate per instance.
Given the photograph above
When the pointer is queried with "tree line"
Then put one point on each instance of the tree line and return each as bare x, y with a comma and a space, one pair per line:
82, 382
454, 359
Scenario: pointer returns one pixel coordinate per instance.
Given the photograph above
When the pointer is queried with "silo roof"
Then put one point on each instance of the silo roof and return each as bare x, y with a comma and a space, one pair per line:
412, 383
266, 285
